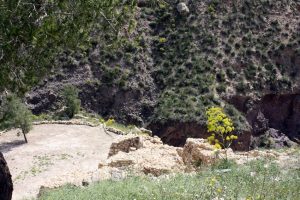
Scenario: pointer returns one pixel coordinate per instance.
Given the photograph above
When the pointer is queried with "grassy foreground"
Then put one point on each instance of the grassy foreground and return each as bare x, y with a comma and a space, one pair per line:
256, 180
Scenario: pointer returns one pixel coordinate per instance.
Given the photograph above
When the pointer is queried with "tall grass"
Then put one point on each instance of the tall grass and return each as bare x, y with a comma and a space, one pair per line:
256, 180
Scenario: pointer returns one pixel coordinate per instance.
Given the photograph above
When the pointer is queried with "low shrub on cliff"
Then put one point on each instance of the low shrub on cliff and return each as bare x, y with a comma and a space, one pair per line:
71, 101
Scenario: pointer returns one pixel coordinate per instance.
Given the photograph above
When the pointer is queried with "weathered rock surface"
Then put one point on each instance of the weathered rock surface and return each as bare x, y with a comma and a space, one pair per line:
125, 144
148, 155
6, 185
272, 138
143, 154
198, 151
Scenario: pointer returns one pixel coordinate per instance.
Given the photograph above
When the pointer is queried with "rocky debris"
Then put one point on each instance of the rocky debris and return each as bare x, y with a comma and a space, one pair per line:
272, 138
125, 144
113, 130
182, 8
6, 185
150, 156
198, 151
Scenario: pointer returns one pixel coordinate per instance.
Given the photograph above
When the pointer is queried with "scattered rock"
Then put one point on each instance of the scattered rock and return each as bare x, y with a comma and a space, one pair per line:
113, 130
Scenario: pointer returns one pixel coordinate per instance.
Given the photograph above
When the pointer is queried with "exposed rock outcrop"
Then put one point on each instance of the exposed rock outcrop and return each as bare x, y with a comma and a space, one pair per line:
277, 111
125, 144
6, 185
198, 151
148, 155
143, 154
272, 138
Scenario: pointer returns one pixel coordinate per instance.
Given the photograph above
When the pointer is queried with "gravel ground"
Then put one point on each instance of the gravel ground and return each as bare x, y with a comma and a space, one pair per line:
55, 155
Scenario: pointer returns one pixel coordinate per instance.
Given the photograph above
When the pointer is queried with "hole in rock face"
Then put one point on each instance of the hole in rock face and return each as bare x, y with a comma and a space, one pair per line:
280, 112
176, 134
283, 113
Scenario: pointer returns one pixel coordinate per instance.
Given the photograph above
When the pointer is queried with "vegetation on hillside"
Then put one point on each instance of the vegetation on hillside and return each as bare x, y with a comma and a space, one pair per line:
221, 49
182, 63
71, 101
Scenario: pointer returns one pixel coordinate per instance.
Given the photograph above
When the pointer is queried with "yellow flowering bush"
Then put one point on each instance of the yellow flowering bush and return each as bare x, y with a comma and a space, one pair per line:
221, 127
110, 122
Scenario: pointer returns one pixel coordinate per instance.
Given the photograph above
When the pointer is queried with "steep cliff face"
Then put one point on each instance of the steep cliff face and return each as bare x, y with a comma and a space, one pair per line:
181, 59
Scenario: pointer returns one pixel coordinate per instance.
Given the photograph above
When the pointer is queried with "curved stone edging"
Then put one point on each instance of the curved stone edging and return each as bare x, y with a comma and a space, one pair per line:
65, 123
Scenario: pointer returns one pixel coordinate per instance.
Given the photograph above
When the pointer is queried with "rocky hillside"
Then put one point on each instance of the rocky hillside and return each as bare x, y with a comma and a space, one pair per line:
181, 57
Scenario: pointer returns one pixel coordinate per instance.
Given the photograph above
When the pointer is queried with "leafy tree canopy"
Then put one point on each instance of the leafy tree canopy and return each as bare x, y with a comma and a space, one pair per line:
33, 32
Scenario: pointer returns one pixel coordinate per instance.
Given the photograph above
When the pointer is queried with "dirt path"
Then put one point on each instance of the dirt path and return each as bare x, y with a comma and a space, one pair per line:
55, 155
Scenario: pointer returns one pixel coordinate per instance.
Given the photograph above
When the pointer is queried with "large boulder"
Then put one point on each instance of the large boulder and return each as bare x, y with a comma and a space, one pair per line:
198, 151
143, 154
6, 185
125, 144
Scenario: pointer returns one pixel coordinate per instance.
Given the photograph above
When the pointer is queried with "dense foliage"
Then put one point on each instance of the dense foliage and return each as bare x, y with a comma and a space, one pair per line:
34, 32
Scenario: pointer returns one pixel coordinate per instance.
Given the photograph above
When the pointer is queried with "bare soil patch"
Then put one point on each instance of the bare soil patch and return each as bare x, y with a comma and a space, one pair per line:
55, 155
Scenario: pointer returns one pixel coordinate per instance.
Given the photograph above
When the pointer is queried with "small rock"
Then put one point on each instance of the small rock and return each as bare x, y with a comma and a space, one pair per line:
100, 165
85, 183
117, 174
183, 9
143, 130
132, 149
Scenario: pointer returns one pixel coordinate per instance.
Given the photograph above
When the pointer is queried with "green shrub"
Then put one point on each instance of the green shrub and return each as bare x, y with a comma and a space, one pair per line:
14, 114
71, 101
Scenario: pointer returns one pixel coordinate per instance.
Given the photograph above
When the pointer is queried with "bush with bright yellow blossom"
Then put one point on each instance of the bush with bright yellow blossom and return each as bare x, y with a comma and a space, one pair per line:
221, 127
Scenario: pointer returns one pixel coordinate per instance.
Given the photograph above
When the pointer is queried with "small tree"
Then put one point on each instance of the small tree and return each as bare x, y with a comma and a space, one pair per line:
72, 103
14, 114
221, 128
